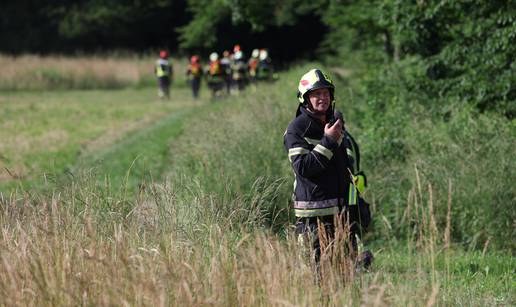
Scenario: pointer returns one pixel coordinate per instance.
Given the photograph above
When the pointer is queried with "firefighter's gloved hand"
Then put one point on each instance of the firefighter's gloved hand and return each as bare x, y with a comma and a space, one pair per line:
334, 130
360, 182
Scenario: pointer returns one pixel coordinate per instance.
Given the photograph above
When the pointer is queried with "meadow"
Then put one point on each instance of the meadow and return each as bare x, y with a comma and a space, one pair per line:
110, 71
113, 197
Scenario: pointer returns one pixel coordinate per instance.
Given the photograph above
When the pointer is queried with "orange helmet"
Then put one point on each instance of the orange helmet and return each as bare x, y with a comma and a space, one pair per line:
236, 48
194, 59
163, 54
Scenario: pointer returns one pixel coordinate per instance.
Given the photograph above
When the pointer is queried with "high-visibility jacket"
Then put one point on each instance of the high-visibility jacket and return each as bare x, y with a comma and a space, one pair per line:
253, 65
323, 167
163, 68
359, 178
215, 68
194, 71
215, 77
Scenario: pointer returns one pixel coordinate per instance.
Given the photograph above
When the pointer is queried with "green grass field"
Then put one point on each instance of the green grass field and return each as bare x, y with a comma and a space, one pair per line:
113, 197
45, 133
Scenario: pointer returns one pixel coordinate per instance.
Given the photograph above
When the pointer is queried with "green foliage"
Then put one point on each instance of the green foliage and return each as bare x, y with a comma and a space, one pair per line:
406, 133
462, 49
256, 13
468, 51
263, 14
357, 25
438, 92
206, 15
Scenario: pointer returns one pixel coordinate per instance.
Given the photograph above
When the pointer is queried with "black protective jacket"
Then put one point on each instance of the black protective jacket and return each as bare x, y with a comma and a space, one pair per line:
322, 167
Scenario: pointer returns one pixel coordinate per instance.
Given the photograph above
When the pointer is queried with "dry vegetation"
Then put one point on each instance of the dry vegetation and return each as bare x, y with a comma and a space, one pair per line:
84, 72
206, 232
64, 252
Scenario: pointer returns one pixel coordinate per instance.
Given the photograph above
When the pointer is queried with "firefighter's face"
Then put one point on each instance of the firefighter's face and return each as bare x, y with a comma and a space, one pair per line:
319, 100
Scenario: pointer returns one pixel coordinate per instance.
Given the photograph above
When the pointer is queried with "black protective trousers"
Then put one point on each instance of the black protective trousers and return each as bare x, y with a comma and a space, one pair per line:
195, 84
354, 220
318, 233
164, 86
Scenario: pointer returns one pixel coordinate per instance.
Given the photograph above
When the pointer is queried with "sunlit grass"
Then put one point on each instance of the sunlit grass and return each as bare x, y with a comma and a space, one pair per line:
45, 132
83, 247
212, 226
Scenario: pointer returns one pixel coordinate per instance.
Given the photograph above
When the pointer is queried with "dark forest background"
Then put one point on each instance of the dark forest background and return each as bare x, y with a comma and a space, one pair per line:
73, 27
463, 49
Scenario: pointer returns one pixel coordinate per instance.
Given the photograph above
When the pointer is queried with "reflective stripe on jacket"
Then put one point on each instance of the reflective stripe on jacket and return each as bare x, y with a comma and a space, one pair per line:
322, 168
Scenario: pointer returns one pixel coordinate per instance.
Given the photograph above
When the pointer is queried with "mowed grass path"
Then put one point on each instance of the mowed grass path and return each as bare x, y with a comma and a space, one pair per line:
202, 233
44, 133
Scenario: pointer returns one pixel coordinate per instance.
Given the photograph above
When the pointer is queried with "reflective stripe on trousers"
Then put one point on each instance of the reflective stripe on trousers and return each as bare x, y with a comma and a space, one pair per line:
317, 208
316, 212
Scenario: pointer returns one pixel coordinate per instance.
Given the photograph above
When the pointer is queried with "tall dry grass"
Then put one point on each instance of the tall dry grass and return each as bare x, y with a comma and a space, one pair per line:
88, 246
202, 237
81, 72
62, 251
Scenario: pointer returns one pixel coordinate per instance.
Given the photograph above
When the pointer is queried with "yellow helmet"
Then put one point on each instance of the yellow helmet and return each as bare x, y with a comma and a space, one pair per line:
313, 80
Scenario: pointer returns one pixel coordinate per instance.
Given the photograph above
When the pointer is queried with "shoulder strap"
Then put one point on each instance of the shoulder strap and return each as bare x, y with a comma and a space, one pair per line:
356, 150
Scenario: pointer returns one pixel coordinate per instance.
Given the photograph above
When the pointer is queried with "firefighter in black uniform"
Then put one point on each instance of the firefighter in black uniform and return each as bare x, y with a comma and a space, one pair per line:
325, 159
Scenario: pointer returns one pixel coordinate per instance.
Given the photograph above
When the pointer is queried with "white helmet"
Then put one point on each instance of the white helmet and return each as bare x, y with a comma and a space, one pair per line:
263, 54
214, 56
256, 53
238, 55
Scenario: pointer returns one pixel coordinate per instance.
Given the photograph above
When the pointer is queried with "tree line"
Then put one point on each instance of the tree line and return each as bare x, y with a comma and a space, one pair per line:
463, 49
